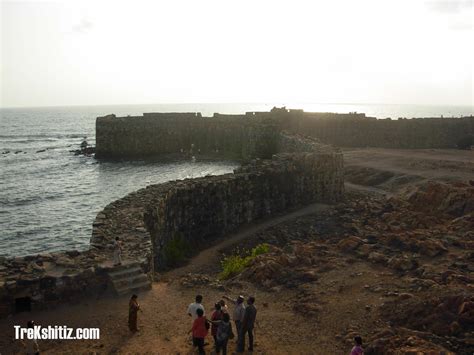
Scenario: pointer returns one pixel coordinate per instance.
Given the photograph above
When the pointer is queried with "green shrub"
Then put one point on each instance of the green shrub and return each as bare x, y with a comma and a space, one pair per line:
234, 264
176, 250
260, 249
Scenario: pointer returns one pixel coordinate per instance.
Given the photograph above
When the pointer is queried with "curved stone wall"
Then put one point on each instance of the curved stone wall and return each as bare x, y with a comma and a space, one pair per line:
163, 224
194, 213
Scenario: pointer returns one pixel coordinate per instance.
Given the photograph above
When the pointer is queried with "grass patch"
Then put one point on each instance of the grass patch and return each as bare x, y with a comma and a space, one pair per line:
234, 264
176, 250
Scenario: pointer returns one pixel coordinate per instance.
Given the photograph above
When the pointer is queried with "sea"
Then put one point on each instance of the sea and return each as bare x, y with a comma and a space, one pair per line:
49, 197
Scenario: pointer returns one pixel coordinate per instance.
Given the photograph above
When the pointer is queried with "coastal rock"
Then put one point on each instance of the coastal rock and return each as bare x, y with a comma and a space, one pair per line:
349, 244
403, 263
378, 258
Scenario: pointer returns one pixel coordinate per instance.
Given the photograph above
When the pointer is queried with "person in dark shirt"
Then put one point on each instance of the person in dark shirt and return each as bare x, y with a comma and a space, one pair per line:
248, 324
357, 349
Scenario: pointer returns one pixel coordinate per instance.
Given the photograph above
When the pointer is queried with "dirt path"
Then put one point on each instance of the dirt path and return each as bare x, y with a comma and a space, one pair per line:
209, 256
426, 163
366, 189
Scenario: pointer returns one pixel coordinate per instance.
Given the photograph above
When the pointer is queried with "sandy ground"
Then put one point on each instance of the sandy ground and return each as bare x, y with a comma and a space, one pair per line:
427, 163
164, 324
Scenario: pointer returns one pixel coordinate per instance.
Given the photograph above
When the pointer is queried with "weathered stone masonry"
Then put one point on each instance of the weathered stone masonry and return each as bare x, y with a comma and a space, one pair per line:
253, 134
154, 134
356, 130
193, 213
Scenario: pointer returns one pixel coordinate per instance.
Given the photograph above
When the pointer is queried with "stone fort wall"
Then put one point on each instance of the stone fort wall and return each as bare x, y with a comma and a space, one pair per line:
194, 213
254, 134
356, 130
164, 224
153, 134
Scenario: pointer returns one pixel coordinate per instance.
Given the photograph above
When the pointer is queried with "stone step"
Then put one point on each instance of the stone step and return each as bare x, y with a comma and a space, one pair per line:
129, 281
124, 266
135, 288
125, 273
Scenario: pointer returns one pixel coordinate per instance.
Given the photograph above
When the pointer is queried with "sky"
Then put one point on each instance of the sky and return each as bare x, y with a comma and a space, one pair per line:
209, 51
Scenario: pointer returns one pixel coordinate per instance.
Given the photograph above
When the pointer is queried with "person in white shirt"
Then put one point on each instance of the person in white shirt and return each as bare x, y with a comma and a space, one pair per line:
117, 252
193, 307
239, 311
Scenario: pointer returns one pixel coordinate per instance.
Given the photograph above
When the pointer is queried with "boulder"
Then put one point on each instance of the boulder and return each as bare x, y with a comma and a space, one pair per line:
377, 258
403, 263
431, 247
349, 244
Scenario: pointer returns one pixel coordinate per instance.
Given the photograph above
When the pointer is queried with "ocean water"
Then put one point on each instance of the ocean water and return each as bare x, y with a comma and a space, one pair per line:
49, 197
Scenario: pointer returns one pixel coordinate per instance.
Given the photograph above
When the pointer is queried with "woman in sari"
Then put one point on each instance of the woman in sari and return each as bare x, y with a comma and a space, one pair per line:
133, 308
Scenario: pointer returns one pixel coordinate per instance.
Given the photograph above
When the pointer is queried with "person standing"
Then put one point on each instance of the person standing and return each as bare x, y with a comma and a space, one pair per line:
247, 326
357, 349
31, 345
216, 316
224, 333
223, 306
199, 330
238, 314
117, 252
133, 308
193, 307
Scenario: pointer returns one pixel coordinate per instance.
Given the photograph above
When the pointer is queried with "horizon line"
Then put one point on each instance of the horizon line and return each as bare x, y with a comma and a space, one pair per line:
237, 102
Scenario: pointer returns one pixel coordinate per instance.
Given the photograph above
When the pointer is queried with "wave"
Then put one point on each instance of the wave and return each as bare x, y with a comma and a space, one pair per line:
46, 137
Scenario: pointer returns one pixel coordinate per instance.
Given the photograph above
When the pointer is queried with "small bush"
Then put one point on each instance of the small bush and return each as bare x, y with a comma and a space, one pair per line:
176, 250
234, 264
260, 249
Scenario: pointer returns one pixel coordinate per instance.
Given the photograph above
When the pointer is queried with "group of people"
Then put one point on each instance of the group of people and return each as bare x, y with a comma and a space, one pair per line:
244, 317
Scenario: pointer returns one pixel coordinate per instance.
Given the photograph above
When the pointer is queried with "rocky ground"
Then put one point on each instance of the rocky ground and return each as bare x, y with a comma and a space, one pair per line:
398, 273
396, 268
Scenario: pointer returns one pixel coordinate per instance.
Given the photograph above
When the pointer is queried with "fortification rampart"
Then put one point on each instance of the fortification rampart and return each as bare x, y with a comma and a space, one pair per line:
359, 131
179, 217
254, 134
193, 213
154, 134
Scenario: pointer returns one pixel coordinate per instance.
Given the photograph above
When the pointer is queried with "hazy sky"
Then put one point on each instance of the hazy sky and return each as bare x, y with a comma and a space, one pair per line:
133, 52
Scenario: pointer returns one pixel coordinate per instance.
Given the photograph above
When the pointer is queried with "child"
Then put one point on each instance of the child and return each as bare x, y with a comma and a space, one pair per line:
199, 331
